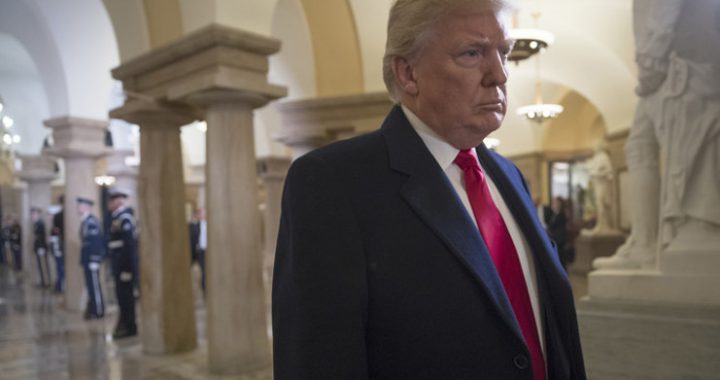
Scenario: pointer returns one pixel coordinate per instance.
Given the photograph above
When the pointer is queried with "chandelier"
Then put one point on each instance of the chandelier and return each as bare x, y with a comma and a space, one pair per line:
8, 140
528, 41
539, 111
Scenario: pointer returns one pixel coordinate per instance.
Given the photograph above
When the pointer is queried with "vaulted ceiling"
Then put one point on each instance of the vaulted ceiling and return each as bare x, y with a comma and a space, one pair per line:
55, 57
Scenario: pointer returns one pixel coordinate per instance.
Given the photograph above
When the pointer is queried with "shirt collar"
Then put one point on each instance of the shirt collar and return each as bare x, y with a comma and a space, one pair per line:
442, 151
118, 210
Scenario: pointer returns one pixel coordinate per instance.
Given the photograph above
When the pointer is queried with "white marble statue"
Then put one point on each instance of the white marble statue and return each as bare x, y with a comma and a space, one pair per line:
678, 58
603, 179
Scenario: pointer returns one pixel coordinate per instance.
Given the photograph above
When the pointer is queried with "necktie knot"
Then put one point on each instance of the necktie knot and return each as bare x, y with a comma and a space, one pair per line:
467, 161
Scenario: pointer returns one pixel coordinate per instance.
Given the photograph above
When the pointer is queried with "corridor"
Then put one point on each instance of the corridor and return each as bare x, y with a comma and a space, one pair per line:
41, 340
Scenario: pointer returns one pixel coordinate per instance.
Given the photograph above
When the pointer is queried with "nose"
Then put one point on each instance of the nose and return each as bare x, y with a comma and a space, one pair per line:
496, 73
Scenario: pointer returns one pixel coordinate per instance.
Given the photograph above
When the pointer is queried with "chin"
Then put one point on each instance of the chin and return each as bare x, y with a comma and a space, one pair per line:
487, 126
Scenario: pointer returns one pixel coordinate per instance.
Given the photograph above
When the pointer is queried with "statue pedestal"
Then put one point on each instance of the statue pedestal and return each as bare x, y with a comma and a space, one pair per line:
587, 248
649, 340
654, 286
653, 324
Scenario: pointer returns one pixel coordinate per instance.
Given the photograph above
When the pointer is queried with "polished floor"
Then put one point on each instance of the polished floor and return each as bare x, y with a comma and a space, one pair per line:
41, 340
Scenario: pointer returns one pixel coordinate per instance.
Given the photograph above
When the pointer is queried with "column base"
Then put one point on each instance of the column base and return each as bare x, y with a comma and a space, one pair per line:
590, 247
654, 286
623, 340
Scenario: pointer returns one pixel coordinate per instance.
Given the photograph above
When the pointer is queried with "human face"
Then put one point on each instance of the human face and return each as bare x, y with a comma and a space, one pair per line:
114, 204
83, 208
460, 76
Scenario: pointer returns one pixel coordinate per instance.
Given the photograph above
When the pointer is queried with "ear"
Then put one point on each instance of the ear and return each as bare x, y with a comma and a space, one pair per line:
405, 76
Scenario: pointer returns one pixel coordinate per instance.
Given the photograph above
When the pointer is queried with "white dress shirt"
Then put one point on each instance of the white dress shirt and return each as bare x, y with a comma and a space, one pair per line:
445, 154
202, 239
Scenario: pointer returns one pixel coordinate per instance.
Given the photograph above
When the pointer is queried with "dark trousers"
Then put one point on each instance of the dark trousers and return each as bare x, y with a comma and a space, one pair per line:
43, 267
95, 305
124, 287
57, 253
201, 261
17, 257
59, 273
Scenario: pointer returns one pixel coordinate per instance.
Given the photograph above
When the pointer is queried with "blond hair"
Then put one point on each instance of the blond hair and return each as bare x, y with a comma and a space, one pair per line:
412, 21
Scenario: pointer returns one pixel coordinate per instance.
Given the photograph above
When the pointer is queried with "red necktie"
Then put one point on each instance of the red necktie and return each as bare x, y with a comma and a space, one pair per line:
503, 253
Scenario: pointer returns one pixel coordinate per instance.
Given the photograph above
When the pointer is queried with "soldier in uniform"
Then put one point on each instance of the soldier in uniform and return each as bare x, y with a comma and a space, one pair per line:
57, 239
91, 257
123, 255
15, 239
40, 246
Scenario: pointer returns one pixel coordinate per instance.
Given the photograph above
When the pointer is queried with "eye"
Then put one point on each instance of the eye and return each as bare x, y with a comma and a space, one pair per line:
472, 53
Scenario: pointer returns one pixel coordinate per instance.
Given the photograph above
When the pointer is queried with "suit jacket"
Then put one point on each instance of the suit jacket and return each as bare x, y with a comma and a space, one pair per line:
380, 272
194, 228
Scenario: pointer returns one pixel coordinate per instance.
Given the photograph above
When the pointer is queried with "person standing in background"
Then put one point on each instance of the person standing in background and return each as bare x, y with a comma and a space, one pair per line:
123, 253
194, 229
40, 246
557, 228
202, 243
92, 254
15, 239
57, 240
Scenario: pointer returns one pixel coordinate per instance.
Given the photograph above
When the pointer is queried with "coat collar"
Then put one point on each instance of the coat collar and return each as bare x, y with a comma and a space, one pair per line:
430, 194
523, 210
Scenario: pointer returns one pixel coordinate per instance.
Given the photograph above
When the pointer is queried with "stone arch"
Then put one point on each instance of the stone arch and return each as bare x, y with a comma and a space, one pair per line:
597, 74
24, 96
577, 129
73, 47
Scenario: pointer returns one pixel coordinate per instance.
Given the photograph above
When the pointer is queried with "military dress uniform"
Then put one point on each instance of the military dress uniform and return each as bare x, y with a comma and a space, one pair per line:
91, 257
41, 252
15, 239
123, 256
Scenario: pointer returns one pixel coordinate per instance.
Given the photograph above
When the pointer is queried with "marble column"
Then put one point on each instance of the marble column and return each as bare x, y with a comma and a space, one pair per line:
237, 329
308, 124
272, 171
125, 175
222, 72
79, 142
167, 305
236, 317
37, 171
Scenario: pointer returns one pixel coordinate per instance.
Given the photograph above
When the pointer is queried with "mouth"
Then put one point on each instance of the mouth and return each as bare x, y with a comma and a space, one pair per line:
491, 106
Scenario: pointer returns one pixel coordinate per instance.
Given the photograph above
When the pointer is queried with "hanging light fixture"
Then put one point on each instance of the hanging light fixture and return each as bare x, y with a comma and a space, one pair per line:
539, 111
8, 140
528, 41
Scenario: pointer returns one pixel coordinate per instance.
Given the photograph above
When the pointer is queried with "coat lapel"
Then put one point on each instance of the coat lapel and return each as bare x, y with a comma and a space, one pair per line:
523, 210
430, 194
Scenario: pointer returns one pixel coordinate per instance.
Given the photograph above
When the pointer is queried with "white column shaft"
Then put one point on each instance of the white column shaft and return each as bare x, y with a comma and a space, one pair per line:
167, 305
236, 320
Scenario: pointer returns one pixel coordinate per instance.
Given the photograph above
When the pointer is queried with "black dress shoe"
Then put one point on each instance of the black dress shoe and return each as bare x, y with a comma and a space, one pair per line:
123, 332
